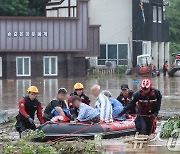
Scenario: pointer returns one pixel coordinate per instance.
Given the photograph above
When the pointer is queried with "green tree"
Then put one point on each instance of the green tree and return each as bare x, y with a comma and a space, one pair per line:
23, 7
173, 15
38, 6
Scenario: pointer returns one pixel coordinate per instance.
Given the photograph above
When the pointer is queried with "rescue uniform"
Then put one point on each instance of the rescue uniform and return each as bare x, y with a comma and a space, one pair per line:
84, 98
28, 108
148, 106
51, 106
125, 101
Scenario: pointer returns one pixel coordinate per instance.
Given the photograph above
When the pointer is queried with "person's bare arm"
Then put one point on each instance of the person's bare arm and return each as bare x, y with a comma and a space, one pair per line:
59, 110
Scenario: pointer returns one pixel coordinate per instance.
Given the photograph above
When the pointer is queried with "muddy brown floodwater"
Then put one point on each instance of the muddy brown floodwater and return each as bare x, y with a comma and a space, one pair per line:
12, 90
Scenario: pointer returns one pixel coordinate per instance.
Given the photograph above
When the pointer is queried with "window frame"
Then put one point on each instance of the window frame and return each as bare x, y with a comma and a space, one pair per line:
154, 6
1, 67
117, 60
56, 63
160, 15
23, 57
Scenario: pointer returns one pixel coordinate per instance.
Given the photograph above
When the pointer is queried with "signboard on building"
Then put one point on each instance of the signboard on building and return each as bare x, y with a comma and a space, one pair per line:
27, 34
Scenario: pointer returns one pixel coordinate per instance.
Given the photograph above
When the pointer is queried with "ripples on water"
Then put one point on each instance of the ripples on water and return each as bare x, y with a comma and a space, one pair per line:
12, 90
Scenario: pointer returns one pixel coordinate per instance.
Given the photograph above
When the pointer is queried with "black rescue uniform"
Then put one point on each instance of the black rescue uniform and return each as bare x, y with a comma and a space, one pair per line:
124, 101
148, 106
28, 108
84, 98
54, 103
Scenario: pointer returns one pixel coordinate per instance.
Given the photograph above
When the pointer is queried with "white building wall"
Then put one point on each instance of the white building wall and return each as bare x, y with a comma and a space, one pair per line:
115, 18
161, 55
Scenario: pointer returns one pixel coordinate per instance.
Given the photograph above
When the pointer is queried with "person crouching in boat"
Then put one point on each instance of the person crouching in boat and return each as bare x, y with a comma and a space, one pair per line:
148, 105
116, 106
57, 106
78, 91
102, 104
125, 97
28, 106
85, 112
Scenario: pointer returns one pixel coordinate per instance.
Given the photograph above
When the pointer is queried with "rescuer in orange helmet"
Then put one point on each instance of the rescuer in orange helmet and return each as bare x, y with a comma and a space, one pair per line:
78, 91
28, 106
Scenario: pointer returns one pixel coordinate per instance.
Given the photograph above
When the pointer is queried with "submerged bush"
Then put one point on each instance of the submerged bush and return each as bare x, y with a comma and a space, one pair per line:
60, 147
25, 146
120, 69
169, 126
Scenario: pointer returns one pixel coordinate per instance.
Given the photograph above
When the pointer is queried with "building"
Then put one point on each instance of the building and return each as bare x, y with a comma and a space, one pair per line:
50, 46
130, 28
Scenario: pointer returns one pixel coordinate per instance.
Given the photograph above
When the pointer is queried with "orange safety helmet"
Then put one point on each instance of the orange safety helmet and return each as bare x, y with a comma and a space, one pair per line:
146, 84
33, 89
78, 86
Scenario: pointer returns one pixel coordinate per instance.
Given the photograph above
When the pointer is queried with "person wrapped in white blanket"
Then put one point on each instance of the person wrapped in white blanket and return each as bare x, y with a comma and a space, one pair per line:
102, 104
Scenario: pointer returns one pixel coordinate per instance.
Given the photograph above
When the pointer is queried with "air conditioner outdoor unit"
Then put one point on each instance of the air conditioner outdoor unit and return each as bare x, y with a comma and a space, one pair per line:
110, 64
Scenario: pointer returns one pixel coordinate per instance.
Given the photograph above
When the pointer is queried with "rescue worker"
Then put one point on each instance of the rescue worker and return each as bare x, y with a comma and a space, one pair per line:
28, 106
148, 105
78, 91
57, 106
117, 107
165, 67
102, 104
125, 97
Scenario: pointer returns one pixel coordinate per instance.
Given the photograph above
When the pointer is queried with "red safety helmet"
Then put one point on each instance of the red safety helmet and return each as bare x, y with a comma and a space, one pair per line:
146, 84
60, 119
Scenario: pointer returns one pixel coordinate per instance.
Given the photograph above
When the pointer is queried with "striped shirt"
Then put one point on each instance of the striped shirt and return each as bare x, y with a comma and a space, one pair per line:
86, 112
104, 107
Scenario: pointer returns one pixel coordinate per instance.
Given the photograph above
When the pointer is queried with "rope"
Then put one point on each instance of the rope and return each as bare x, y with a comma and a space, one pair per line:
80, 130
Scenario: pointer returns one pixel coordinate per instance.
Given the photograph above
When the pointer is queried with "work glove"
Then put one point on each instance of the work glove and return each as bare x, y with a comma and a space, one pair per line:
30, 120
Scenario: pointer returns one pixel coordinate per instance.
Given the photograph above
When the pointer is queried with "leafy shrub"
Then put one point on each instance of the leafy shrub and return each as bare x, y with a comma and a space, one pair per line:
169, 126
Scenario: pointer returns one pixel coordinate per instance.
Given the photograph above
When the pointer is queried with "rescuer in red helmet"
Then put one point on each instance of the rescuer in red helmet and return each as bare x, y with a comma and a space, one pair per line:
148, 105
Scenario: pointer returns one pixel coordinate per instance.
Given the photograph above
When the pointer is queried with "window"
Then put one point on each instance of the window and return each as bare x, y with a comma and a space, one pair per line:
154, 14
144, 48
23, 66
159, 14
0, 66
122, 54
113, 52
50, 65
102, 57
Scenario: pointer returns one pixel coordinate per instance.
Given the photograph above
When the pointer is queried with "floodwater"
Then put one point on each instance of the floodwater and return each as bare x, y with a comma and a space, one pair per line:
12, 90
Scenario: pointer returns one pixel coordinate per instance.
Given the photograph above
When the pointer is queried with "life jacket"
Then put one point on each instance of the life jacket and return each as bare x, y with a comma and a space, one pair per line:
30, 107
50, 107
124, 100
147, 102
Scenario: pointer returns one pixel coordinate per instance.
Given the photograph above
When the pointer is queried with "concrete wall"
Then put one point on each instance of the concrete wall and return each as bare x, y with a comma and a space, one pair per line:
115, 18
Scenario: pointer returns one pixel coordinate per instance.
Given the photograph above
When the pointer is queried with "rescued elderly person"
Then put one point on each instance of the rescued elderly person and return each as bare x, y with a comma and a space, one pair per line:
102, 104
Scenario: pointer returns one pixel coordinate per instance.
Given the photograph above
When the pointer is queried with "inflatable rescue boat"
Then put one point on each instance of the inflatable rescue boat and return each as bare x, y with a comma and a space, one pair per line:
69, 131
